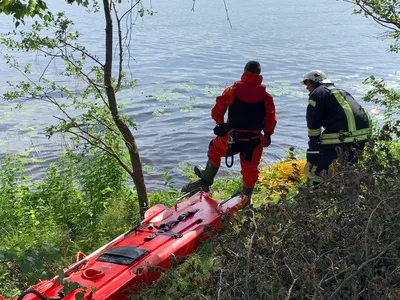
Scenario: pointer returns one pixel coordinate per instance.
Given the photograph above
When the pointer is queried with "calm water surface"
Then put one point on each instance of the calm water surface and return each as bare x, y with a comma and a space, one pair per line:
184, 59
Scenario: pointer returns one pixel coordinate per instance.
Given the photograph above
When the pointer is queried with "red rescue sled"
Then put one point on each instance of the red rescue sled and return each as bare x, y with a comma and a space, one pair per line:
137, 257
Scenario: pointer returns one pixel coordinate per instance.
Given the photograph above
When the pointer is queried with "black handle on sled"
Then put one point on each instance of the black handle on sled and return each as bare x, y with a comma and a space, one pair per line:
37, 294
191, 193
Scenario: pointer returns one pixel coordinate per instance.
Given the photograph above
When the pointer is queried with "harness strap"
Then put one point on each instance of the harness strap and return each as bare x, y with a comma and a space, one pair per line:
165, 228
233, 135
237, 136
172, 234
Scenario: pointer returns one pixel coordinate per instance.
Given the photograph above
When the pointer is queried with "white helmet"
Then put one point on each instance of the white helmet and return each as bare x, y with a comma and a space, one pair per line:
316, 76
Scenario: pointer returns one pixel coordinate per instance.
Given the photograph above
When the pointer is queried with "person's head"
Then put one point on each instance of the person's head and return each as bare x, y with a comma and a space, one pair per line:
253, 67
315, 78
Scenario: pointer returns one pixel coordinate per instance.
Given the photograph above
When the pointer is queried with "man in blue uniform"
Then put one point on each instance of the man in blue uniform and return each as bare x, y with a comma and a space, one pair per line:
346, 125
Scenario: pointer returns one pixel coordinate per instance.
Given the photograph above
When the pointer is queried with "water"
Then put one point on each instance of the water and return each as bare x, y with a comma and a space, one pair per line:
184, 59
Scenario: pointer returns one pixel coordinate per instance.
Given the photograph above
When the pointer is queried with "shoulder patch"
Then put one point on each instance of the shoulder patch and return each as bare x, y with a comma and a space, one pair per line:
312, 102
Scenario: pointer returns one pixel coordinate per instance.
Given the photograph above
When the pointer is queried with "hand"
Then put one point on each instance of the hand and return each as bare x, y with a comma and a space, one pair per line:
313, 157
267, 139
309, 171
221, 130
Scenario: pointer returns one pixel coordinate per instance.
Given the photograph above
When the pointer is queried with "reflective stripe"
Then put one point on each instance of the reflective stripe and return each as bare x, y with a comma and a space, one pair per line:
368, 116
351, 122
314, 132
345, 137
345, 140
344, 134
312, 152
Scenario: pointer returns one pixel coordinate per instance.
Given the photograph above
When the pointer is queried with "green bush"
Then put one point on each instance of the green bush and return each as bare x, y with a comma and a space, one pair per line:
81, 203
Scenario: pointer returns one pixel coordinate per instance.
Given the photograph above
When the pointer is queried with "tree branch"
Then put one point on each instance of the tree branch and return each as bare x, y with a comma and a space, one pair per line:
118, 86
227, 14
249, 257
83, 52
106, 149
382, 22
365, 263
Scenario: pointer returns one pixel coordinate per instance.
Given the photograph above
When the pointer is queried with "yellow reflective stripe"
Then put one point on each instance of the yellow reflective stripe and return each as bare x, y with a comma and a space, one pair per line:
351, 122
312, 102
349, 139
314, 132
368, 116
344, 134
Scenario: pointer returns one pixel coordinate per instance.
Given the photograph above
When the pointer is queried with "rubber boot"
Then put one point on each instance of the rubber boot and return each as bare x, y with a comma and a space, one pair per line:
206, 178
195, 186
248, 192
208, 173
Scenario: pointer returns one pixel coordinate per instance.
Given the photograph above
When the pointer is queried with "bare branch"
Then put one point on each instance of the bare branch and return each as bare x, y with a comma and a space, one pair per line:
45, 69
249, 256
227, 14
365, 263
83, 52
130, 9
120, 52
382, 22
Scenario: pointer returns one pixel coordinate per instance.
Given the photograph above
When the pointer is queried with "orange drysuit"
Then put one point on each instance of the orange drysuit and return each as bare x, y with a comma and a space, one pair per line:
251, 110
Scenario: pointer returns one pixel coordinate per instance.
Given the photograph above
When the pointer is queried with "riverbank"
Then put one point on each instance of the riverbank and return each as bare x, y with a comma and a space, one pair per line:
296, 242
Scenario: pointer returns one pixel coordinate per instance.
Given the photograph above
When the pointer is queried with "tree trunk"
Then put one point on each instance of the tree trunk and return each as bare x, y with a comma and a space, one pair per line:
137, 171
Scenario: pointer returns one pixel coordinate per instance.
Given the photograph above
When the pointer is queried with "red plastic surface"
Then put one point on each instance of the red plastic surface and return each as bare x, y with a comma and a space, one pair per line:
110, 281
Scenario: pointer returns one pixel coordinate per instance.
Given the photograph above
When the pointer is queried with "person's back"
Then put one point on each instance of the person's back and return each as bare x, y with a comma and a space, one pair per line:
346, 125
251, 110
247, 111
337, 111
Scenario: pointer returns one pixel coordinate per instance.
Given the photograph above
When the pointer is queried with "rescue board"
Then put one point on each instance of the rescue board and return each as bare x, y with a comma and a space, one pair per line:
137, 258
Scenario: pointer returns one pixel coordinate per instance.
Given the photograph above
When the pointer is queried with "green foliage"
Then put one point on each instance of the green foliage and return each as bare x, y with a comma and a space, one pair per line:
186, 281
20, 9
386, 97
384, 12
53, 38
340, 241
81, 203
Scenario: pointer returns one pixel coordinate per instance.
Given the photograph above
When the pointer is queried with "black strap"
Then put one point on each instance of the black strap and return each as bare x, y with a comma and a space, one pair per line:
165, 228
172, 234
229, 155
37, 294
232, 137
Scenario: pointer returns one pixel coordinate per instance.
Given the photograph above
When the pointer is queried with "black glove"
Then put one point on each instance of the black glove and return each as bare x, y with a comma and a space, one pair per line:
221, 130
313, 157
267, 137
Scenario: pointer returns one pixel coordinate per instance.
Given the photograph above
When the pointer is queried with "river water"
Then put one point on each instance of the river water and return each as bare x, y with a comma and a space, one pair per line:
183, 59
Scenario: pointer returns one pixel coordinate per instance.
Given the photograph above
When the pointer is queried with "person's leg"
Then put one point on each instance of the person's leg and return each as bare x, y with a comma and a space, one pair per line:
216, 150
353, 152
250, 170
328, 155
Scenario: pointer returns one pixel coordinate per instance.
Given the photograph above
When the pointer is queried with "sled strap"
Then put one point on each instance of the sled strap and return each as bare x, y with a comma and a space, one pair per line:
165, 228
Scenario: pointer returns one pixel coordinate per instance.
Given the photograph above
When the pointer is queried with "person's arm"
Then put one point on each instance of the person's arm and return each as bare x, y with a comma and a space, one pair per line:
270, 118
314, 124
221, 105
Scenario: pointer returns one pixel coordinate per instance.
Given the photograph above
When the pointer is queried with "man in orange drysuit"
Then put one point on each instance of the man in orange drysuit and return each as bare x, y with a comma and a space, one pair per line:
251, 111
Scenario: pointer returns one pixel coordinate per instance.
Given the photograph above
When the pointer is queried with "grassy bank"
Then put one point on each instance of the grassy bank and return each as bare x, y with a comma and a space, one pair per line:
338, 242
